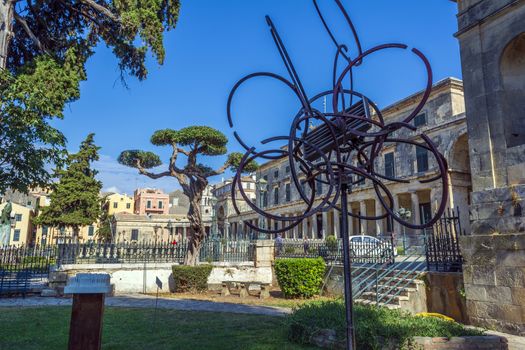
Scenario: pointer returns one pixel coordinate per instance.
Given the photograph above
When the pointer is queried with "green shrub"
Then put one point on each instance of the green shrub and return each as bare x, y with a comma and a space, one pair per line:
331, 243
191, 278
300, 277
289, 250
374, 326
38, 261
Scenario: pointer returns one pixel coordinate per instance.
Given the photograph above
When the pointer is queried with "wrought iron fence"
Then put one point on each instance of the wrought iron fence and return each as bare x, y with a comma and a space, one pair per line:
153, 252
366, 251
23, 268
442, 244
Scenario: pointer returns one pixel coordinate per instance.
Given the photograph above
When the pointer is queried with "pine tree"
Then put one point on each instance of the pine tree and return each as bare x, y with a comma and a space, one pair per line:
75, 198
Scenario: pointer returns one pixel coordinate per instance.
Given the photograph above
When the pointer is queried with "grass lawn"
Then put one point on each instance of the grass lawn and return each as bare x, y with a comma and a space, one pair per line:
129, 329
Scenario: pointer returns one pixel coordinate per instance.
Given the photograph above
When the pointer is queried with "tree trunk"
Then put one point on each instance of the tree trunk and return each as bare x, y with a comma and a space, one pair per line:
6, 29
199, 233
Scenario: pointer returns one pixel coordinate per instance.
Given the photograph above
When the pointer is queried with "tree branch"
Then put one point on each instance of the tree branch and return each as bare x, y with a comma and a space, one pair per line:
182, 150
101, 9
221, 170
28, 31
149, 174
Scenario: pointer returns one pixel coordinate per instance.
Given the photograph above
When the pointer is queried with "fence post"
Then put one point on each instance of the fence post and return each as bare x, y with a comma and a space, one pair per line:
264, 253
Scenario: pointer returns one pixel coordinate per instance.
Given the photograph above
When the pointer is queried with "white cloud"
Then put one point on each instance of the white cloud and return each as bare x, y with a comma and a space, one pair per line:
119, 178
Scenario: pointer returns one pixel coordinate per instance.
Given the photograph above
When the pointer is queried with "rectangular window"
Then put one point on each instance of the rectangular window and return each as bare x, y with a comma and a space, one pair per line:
422, 159
318, 187
420, 119
265, 177
276, 174
160, 204
288, 192
91, 231
148, 204
115, 205
44, 230
265, 199
287, 169
16, 235
134, 234
18, 217
276, 195
360, 180
390, 165
128, 205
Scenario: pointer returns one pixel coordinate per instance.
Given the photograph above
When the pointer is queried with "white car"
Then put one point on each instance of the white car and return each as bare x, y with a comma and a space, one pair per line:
370, 247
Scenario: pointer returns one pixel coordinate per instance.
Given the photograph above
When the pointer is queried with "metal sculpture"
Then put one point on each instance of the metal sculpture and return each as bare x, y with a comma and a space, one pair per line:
338, 148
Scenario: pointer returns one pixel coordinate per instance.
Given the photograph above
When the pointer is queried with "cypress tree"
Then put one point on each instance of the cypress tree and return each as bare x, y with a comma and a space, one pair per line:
75, 198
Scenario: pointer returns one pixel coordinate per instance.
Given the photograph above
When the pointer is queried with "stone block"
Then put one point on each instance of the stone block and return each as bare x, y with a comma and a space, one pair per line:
497, 294
474, 292
57, 277
510, 258
518, 296
510, 276
468, 274
483, 275
49, 293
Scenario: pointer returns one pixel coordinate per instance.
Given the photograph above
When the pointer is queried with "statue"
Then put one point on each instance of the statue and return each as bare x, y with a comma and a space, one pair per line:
5, 218
5, 224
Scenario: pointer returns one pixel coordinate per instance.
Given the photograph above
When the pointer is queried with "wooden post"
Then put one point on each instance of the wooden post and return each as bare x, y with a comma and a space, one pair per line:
85, 330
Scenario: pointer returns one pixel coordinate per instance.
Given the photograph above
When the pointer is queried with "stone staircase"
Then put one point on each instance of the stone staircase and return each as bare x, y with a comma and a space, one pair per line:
395, 289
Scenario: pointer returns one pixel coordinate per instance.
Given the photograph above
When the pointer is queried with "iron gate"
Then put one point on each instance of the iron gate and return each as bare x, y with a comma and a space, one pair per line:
442, 244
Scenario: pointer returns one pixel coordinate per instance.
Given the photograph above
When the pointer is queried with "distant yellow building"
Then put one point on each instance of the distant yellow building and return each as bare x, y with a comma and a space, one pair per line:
22, 229
53, 235
119, 203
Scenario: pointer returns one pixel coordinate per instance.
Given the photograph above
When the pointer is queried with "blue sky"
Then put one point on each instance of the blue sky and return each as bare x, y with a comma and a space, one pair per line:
217, 42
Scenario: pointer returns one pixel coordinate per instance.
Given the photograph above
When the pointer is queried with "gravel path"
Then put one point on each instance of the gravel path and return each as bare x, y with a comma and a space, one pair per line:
147, 301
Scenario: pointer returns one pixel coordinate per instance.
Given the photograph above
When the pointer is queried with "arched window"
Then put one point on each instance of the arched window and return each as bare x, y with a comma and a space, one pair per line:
512, 69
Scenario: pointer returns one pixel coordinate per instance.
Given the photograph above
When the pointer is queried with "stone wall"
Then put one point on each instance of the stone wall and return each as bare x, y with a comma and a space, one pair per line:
494, 277
141, 278
327, 339
445, 295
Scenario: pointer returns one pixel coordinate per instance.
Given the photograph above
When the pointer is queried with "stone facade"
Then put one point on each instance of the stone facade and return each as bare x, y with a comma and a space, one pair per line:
491, 34
152, 228
443, 119
229, 223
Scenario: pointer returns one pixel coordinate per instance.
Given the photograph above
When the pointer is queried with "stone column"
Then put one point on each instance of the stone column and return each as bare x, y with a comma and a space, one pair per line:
415, 208
396, 225
311, 220
378, 212
295, 230
325, 224
362, 210
336, 223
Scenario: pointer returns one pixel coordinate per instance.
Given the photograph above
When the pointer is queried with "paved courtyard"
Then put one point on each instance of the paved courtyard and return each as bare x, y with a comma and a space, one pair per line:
147, 301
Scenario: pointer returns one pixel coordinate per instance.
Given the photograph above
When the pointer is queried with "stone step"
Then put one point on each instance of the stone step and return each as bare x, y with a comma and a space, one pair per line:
373, 303
395, 299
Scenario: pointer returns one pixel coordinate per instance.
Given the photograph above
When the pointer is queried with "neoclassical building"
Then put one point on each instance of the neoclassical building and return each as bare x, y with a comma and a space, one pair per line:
228, 223
442, 119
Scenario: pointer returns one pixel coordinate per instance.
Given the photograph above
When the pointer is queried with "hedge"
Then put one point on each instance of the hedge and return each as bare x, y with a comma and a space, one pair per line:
191, 278
301, 277
374, 326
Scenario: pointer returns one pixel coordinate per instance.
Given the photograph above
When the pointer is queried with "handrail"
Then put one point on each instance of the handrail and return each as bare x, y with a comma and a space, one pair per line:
359, 291
398, 283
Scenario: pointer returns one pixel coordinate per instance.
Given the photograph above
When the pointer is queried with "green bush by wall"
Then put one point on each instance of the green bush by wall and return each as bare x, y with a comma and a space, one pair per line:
191, 278
374, 326
301, 277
